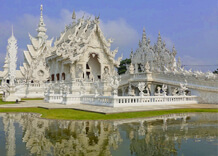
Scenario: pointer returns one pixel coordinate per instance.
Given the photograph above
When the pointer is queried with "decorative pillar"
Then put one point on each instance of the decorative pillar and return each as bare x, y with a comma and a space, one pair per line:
152, 89
136, 68
169, 91
123, 91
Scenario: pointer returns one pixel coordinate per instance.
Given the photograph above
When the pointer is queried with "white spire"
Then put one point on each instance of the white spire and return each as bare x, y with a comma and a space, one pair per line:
74, 15
41, 26
12, 57
144, 36
159, 40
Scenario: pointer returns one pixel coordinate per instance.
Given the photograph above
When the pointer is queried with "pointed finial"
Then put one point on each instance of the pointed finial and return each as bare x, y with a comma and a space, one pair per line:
144, 36
149, 41
41, 8
159, 37
74, 15
41, 26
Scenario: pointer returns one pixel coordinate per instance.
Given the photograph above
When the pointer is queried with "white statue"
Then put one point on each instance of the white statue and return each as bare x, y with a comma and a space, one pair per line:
141, 87
79, 71
106, 74
147, 67
114, 84
158, 91
175, 92
183, 88
164, 89
131, 69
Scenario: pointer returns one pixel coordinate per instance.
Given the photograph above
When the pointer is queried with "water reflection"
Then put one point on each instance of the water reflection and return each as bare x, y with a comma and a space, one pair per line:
162, 135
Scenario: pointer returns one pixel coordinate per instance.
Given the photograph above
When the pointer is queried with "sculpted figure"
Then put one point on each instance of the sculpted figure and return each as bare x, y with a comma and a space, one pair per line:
141, 87
147, 67
183, 88
106, 74
164, 89
114, 84
131, 69
158, 92
79, 71
175, 92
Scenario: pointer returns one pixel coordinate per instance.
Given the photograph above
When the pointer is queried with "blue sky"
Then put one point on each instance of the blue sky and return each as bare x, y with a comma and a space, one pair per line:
190, 25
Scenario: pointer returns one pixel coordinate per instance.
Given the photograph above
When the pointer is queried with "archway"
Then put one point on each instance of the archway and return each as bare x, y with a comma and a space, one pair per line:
93, 67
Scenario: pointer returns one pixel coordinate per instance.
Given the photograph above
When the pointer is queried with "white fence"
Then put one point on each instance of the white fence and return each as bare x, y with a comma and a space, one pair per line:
120, 101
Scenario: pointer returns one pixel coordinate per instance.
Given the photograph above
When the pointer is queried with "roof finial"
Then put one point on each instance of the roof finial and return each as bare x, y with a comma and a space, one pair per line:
41, 27
41, 8
159, 37
144, 35
74, 15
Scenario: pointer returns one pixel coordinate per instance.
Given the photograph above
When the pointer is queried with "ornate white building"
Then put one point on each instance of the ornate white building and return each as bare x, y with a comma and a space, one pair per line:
156, 65
34, 68
81, 68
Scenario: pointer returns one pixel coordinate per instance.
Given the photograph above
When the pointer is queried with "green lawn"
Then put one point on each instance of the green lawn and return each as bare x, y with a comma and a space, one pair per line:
3, 102
23, 99
71, 114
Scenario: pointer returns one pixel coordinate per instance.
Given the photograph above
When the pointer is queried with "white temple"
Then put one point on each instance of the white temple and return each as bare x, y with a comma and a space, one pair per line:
81, 68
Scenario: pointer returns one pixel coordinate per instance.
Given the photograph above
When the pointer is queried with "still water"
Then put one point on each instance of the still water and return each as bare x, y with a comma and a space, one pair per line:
25, 134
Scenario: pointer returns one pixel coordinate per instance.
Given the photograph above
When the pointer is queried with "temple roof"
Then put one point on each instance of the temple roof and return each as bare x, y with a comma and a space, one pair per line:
76, 37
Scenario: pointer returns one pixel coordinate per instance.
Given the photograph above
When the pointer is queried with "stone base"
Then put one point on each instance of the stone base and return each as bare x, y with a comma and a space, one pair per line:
11, 98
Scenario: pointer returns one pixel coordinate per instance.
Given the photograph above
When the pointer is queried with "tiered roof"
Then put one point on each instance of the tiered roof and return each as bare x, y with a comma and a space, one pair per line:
158, 56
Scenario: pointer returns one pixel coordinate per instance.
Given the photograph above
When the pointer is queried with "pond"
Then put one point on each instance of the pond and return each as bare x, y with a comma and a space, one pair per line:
175, 134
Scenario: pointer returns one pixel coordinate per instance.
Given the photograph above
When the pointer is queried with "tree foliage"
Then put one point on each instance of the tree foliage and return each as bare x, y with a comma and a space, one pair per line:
123, 66
216, 71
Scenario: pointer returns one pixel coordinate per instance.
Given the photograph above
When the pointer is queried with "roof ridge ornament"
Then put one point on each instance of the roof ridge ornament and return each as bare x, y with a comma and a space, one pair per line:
159, 38
74, 15
144, 35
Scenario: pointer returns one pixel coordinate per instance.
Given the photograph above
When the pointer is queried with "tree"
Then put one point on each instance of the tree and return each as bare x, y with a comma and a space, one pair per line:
123, 66
216, 71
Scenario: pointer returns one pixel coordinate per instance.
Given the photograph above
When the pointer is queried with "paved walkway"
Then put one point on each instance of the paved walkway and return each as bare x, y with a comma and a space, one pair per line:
101, 109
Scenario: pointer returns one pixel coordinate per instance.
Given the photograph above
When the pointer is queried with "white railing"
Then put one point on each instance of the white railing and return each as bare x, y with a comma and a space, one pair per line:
120, 101
55, 98
99, 100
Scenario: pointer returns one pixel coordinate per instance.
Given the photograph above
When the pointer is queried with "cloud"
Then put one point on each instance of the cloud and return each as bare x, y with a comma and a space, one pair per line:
195, 63
122, 33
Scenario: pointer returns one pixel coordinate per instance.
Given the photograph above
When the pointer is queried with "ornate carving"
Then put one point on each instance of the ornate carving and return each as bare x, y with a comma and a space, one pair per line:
114, 84
106, 74
141, 87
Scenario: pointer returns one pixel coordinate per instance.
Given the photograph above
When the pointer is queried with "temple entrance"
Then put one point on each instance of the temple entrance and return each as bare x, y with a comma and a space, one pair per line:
93, 67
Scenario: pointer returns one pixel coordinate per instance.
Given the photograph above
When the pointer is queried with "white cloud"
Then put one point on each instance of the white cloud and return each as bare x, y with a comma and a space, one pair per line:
122, 33
197, 64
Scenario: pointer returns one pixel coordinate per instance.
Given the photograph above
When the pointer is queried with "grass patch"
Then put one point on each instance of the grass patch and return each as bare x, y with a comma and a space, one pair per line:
5, 102
70, 114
